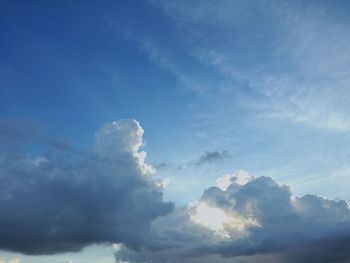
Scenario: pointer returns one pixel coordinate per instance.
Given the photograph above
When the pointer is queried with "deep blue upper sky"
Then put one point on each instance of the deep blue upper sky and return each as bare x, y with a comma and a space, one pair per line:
69, 63
255, 79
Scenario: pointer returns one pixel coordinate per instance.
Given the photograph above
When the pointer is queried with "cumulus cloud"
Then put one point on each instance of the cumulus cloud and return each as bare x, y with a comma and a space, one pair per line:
58, 204
239, 177
283, 220
249, 218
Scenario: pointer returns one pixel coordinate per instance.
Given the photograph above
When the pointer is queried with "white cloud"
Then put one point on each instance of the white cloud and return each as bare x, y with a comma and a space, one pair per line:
223, 222
119, 138
240, 178
213, 218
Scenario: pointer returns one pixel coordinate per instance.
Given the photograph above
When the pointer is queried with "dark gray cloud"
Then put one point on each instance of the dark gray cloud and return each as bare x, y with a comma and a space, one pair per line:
60, 144
210, 157
63, 204
168, 166
263, 218
327, 250
207, 157
17, 132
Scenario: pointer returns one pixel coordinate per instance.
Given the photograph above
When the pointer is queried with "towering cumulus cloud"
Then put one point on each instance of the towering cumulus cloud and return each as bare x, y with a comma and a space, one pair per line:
63, 204
247, 219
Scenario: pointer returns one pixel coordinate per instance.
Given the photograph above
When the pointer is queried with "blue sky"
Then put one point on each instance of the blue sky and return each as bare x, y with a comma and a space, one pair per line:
217, 86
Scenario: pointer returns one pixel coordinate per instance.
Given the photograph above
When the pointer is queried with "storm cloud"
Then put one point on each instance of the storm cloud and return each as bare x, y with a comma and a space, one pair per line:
109, 196
64, 204
251, 219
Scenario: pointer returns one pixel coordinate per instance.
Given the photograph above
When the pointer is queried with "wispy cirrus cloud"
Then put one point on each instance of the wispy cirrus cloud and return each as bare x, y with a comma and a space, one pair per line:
279, 76
286, 64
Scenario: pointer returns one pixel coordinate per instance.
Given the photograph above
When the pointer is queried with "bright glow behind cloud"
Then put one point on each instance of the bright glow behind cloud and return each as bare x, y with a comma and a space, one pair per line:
223, 223
213, 218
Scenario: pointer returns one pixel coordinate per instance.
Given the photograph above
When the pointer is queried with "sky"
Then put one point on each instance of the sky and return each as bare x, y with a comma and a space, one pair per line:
174, 131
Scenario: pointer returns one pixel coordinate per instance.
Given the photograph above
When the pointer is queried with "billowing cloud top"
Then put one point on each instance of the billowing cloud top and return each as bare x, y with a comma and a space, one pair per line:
122, 139
63, 204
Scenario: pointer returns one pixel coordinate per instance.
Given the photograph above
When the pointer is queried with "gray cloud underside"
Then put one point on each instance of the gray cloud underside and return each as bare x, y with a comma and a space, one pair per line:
108, 196
64, 204
210, 157
289, 229
14, 132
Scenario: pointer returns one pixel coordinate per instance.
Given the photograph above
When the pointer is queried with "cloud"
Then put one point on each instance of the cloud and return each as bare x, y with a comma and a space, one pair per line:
15, 132
60, 204
59, 144
291, 75
64, 204
283, 220
248, 220
239, 177
207, 157
210, 157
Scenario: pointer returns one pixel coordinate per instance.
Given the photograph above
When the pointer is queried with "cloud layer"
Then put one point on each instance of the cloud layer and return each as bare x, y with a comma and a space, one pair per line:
250, 218
63, 204
108, 196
